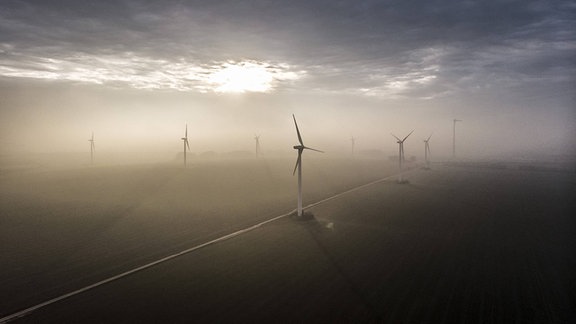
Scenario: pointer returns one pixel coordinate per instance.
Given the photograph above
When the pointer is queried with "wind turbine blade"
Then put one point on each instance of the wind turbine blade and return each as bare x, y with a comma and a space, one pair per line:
297, 131
408, 135
429, 137
395, 136
187, 144
297, 162
186, 132
309, 148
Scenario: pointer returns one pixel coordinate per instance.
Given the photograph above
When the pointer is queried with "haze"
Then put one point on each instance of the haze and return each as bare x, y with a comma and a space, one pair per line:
134, 72
147, 232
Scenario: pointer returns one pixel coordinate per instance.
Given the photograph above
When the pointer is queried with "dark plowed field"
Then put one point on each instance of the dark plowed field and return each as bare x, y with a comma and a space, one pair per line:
453, 246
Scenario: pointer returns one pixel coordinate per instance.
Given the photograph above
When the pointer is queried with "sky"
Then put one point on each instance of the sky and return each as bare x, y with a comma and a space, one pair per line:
135, 72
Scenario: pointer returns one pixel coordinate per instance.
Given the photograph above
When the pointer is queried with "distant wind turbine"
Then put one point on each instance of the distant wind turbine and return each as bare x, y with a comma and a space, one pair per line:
454, 138
92, 148
401, 154
298, 166
427, 152
353, 142
186, 144
257, 139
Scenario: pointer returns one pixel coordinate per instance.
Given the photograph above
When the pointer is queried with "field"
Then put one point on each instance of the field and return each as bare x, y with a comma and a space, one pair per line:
456, 244
64, 228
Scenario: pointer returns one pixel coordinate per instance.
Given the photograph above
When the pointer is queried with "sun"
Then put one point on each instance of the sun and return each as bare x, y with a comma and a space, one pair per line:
242, 77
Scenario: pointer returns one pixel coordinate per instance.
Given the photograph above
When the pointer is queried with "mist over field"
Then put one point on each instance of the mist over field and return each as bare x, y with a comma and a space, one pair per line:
62, 118
442, 247
149, 151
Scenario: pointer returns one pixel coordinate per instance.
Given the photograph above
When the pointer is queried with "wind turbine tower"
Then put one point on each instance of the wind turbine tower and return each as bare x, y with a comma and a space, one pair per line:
257, 139
353, 141
427, 152
298, 166
401, 154
454, 138
92, 148
186, 144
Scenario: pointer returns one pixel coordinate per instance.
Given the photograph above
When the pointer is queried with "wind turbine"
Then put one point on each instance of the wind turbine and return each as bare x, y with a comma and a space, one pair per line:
427, 152
257, 139
186, 144
92, 148
454, 138
353, 141
401, 154
298, 166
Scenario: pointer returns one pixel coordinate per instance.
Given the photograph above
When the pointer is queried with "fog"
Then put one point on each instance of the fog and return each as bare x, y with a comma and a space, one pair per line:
46, 118
135, 73
392, 245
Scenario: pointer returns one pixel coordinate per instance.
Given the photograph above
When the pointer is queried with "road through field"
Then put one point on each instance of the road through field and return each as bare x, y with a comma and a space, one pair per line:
63, 230
31, 309
455, 245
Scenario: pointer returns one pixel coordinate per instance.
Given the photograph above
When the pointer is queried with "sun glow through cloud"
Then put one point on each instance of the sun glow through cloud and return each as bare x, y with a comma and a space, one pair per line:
242, 77
141, 72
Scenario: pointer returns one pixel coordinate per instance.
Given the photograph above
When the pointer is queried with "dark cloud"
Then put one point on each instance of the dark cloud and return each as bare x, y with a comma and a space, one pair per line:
343, 43
450, 51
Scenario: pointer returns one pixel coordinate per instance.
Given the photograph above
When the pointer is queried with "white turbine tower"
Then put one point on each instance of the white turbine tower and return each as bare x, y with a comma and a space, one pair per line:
257, 139
427, 152
401, 154
92, 148
186, 145
298, 166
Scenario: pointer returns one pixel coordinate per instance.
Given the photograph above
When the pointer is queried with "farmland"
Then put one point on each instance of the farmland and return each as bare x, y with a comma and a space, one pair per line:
454, 245
64, 228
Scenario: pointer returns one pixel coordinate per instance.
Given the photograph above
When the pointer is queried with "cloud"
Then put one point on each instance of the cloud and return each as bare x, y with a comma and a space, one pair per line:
389, 49
130, 69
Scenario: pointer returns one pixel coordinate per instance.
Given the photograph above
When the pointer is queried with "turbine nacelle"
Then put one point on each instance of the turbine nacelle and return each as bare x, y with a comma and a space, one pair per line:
302, 147
401, 141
